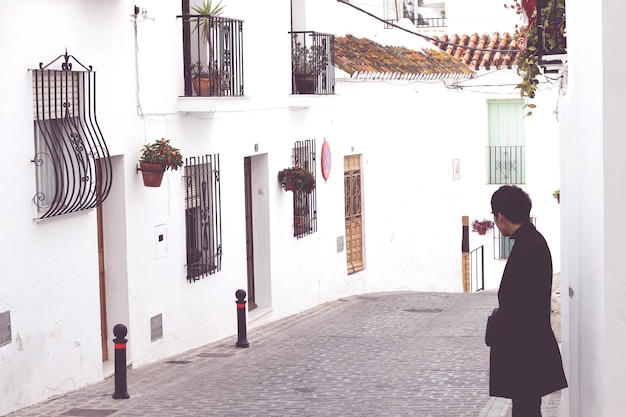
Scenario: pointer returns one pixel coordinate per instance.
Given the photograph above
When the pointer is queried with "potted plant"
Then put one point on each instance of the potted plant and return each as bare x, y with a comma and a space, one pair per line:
201, 79
481, 227
155, 158
208, 8
296, 179
557, 195
550, 20
307, 63
212, 72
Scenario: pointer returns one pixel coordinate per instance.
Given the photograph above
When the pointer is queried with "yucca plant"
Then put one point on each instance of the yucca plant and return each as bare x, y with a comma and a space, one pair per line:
208, 7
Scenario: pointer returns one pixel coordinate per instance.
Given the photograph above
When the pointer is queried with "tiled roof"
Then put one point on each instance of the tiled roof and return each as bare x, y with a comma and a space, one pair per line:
366, 59
457, 46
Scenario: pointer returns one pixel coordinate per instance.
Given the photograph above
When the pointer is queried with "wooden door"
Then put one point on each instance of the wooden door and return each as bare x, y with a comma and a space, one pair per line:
249, 235
103, 302
353, 211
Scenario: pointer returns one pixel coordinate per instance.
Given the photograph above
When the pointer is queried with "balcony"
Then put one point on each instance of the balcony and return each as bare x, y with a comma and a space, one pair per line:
212, 56
551, 35
430, 22
312, 63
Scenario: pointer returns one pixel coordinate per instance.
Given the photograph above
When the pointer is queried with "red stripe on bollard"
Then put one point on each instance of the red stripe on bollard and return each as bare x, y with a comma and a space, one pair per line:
120, 345
241, 306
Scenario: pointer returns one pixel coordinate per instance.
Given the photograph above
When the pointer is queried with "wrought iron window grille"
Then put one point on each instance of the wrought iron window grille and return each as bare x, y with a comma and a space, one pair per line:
503, 245
507, 164
203, 216
72, 161
304, 204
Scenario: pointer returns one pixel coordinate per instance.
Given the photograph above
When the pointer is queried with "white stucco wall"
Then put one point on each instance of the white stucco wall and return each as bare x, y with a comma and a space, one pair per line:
591, 135
49, 274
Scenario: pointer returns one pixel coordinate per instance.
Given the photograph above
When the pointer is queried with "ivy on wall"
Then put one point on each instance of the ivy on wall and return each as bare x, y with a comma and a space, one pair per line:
551, 22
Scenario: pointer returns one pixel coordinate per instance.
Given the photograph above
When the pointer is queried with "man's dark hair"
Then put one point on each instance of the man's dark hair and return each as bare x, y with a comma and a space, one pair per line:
513, 202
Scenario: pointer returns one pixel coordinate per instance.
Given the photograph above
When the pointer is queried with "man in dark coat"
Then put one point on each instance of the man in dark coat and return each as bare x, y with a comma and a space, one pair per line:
525, 361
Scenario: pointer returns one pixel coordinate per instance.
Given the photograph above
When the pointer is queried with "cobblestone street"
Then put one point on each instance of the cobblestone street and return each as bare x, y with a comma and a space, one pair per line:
388, 354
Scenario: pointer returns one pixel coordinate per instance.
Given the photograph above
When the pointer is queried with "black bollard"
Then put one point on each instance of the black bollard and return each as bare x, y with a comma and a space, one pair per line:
242, 340
121, 389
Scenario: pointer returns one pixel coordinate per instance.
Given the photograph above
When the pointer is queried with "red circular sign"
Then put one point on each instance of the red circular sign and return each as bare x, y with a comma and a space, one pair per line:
325, 160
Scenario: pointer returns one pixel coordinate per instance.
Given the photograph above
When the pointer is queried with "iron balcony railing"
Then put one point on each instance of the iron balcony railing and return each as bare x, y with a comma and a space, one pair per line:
212, 56
430, 22
507, 164
551, 34
312, 63
477, 269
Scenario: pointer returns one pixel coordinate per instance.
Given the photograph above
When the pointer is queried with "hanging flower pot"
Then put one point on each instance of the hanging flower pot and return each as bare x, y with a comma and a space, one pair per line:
152, 174
481, 227
297, 179
155, 159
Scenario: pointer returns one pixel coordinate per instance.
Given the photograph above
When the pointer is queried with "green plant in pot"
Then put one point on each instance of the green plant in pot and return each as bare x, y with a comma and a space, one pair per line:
201, 79
212, 71
307, 63
550, 21
207, 8
157, 157
296, 179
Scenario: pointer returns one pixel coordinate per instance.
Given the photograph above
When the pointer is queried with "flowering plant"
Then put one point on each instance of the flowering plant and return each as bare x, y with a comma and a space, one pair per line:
162, 153
481, 226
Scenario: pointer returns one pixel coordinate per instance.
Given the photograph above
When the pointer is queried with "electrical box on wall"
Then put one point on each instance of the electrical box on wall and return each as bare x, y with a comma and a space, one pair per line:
160, 236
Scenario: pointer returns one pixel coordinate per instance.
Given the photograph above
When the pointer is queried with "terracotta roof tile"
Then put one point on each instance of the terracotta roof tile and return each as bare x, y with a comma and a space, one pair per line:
364, 58
471, 49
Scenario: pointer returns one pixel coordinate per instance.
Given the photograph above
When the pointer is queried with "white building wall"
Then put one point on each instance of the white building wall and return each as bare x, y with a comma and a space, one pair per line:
407, 133
592, 143
49, 274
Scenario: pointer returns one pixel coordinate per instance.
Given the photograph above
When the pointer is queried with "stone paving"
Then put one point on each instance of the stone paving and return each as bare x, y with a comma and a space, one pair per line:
385, 354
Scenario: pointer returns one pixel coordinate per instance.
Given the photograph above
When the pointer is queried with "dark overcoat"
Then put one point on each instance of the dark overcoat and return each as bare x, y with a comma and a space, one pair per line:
525, 357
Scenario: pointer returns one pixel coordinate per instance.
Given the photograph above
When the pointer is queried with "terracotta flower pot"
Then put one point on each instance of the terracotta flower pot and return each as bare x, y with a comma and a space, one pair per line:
152, 174
305, 83
202, 86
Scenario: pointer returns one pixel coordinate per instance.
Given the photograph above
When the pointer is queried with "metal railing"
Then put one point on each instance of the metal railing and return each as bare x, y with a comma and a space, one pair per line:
502, 245
551, 34
507, 164
477, 269
312, 63
212, 56
430, 22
